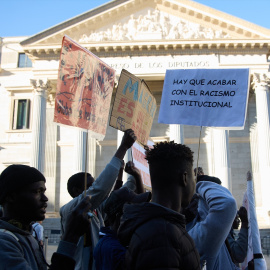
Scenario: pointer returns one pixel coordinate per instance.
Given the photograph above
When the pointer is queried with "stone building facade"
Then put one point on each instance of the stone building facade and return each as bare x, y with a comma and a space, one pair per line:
146, 38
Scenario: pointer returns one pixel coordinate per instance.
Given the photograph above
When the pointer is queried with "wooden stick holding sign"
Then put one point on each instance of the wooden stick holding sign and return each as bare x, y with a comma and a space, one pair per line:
198, 154
85, 165
134, 106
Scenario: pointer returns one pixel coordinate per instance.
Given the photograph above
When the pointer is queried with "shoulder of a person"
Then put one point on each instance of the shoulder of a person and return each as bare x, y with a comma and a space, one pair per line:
9, 239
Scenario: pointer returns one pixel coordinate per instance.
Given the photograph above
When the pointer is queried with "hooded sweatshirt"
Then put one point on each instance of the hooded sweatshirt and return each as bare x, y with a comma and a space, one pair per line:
156, 238
216, 212
99, 192
19, 249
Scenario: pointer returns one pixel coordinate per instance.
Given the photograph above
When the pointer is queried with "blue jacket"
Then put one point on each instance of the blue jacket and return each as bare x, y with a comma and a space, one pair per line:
209, 230
109, 254
19, 250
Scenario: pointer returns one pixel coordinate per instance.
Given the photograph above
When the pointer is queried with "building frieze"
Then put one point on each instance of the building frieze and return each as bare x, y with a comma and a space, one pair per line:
155, 25
156, 47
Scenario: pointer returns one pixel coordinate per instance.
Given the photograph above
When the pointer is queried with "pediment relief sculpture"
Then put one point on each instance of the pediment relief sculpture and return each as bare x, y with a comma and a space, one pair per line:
154, 25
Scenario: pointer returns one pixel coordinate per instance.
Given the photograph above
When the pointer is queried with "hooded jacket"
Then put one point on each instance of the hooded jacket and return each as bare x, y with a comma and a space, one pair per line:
156, 239
209, 230
19, 249
109, 254
99, 192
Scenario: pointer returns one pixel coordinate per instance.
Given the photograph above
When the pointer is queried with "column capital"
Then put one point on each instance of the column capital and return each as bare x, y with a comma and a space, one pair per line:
261, 80
41, 86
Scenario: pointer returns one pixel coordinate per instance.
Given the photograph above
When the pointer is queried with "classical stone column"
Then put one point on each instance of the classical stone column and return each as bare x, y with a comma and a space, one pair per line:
177, 133
79, 150
221, 156
39, 124
261, 84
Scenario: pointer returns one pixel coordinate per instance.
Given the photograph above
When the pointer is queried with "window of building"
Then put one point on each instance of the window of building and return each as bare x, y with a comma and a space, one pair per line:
21, 114
24, 61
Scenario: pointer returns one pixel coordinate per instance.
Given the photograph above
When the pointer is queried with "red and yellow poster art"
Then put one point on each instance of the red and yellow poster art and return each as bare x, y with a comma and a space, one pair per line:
84, 89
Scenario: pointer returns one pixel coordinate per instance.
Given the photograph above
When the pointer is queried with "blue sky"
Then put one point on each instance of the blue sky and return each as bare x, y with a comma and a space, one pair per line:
29, 17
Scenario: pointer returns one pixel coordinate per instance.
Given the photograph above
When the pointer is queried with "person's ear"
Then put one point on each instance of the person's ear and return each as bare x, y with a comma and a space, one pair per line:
184, 179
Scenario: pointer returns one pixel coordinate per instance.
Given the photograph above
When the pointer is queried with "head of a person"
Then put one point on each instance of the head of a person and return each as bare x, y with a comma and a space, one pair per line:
171, 167
76, 183
22, 193
200, 171
114, 204
209, 179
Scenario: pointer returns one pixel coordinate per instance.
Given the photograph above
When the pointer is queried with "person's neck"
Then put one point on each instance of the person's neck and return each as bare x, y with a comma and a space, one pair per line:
169, 199
17, 221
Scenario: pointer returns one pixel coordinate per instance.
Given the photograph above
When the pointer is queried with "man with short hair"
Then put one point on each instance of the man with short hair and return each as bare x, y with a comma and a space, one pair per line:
22, 194
76, 182
155, 232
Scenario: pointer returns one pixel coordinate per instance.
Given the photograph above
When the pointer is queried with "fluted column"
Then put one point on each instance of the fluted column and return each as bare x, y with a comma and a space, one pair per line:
39, 124
177, 133
221, 156
261, 85
79, 150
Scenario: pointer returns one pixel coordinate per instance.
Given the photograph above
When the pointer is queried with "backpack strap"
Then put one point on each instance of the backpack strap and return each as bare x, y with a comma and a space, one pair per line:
10, 233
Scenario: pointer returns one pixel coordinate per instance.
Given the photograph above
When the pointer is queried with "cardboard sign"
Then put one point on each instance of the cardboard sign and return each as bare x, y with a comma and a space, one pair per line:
134, 106
84, 90
205, 97
138, 155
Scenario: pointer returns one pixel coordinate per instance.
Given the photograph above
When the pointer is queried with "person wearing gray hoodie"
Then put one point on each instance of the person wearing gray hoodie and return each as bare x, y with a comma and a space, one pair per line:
210, 228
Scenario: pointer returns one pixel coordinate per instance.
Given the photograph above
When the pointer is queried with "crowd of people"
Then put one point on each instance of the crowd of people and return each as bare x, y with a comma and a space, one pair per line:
186, 222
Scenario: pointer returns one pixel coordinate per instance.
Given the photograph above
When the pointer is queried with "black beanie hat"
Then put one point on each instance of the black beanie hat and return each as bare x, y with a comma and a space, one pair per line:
15, 177
209, 178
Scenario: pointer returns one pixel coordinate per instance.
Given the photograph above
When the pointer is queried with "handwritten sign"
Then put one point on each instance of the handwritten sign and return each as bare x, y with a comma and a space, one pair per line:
84, 90
205, 97
134, 106
138, 154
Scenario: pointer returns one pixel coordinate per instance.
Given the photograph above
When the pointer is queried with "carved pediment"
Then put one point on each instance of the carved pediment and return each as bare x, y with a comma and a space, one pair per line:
143, 20
150, 25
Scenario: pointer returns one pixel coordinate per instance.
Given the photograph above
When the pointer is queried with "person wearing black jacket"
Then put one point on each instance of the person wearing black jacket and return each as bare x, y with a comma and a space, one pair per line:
154, 233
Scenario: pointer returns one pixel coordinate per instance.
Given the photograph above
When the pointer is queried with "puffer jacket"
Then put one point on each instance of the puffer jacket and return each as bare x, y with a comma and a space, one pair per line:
156, 239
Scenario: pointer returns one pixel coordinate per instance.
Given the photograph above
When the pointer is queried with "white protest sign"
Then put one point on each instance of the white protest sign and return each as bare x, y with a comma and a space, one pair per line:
205, 97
